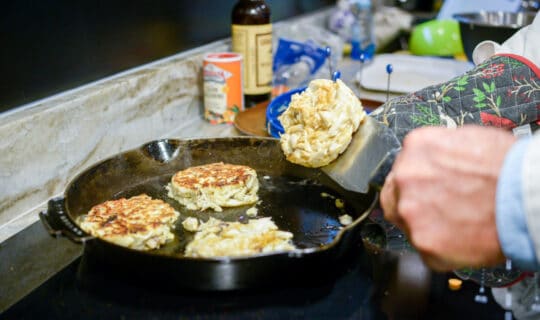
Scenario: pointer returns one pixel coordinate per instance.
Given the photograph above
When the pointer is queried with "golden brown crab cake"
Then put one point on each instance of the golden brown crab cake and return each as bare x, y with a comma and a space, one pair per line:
214, 185
139, 223
319, 123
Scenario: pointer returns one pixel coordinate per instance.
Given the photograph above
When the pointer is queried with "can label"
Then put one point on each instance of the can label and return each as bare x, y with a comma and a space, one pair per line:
254, 42
223, 95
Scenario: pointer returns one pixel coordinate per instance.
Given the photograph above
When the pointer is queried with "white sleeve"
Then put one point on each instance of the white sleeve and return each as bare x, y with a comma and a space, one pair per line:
531, 190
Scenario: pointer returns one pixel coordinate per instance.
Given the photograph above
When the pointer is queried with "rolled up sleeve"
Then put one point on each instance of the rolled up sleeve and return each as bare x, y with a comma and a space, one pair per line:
512, 222
531, 190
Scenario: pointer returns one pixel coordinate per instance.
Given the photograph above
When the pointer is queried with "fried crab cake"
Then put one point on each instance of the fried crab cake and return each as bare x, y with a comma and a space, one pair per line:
139, 223
319, 123
214, 186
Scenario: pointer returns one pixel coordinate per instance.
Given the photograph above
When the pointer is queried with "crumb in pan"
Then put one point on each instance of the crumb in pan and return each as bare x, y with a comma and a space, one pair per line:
319, 123
214, 186
327, 195
339, 203
217, 238
345, 219
252, 212
191, 224
139, 223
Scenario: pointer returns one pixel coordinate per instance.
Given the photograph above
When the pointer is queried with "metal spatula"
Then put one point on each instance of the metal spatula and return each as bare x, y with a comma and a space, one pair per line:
368, 158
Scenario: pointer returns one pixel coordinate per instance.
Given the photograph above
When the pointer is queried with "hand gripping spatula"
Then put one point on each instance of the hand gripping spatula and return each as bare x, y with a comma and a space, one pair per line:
368, 158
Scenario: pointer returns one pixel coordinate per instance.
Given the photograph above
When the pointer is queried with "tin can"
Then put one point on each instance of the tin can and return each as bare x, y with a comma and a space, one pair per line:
223, 93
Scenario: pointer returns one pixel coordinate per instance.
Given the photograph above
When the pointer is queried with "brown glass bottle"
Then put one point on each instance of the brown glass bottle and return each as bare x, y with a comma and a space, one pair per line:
252, 37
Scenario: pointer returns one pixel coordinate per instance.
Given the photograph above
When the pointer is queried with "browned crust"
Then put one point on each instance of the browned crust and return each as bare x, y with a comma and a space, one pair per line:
138, 214
212, 175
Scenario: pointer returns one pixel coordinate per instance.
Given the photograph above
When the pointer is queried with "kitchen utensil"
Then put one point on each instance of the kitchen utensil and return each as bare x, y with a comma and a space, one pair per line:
336, 75
389, 70
331, 68
498, 26
362, 60
367, 160
292, 195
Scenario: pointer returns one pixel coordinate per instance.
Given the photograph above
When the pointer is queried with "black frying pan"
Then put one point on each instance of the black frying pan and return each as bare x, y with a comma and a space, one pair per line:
290, 194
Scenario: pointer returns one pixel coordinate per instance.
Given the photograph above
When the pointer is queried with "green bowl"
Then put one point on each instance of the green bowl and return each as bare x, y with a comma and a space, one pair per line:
436, 38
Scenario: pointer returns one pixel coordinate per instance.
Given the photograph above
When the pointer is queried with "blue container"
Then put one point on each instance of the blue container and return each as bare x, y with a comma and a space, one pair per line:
275, 108
279, 104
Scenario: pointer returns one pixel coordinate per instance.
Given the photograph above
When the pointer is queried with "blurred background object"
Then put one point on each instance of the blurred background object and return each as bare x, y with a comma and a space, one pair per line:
459, 25
451, 7
436, 38
496, 26
530, 5
363, 34
251, 36
417, 5
52, 46
300, 54
389, 24
411, 73
49, 47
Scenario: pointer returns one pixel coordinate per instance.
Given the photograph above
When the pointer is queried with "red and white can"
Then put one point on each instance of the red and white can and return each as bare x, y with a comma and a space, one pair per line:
223, 87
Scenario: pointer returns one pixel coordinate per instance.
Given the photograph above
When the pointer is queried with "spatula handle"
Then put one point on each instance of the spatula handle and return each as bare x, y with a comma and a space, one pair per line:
383, 169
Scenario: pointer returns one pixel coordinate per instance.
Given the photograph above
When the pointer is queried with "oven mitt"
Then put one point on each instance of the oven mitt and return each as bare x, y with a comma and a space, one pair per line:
503, 91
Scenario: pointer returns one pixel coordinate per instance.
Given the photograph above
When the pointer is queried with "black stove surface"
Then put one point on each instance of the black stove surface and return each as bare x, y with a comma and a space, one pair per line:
79, 292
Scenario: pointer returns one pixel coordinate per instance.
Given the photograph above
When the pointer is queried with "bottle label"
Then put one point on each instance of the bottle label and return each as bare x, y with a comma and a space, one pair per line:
254, 42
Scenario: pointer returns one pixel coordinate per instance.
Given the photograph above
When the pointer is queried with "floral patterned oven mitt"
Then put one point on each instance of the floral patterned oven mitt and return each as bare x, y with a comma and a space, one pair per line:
504, 91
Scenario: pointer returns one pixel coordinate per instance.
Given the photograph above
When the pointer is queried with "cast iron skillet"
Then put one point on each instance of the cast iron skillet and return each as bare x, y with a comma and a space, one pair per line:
292, 195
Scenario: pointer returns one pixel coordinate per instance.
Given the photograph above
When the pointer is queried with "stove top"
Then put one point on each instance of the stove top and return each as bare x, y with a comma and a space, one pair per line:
357, 292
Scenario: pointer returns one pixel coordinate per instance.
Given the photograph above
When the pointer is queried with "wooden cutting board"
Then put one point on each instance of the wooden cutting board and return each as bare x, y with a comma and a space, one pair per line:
252, 121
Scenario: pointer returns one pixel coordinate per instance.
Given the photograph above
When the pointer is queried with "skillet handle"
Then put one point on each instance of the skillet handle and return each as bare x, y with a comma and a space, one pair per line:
58, 224
383, 169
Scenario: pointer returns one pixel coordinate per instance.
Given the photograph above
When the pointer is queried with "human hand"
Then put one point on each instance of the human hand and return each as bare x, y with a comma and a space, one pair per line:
441, 193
